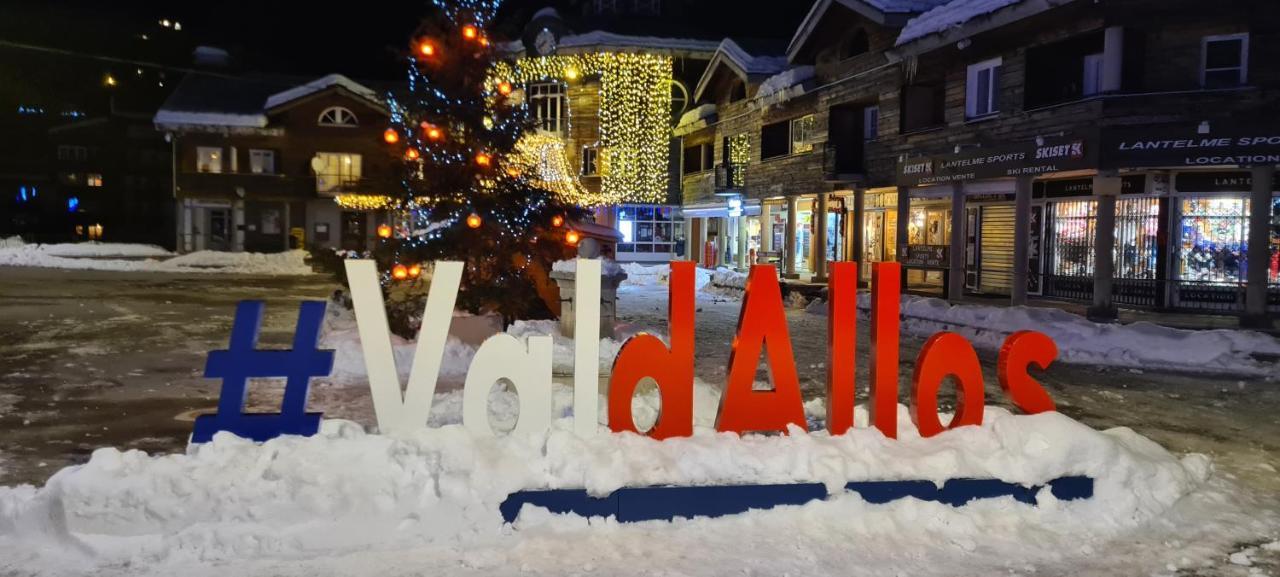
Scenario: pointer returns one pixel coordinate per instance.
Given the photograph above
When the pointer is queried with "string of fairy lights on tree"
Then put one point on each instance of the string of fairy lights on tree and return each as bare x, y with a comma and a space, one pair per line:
635, 111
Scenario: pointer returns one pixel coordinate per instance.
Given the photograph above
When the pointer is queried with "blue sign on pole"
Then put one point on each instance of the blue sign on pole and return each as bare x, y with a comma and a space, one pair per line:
243, 360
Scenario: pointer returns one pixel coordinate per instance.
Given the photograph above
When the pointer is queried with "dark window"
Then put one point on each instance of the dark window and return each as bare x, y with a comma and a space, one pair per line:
775, 139
922, 107
1064, 71
1225, 61
698, 158
854, 44
590, 161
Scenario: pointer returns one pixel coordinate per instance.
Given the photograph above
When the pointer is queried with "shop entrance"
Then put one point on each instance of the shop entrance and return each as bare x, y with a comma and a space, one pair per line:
353, 230
219, 227
995, 249
929, 225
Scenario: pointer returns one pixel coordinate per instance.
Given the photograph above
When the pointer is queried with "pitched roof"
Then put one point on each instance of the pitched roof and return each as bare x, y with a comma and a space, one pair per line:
951, 15
319, 85
746, 58
242, 102
893, 13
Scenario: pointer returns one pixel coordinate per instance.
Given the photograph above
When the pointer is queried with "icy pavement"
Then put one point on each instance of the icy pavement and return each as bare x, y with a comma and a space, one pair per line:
95, 359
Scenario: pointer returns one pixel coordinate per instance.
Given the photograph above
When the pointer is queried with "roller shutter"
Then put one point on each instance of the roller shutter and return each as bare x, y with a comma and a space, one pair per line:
996, 267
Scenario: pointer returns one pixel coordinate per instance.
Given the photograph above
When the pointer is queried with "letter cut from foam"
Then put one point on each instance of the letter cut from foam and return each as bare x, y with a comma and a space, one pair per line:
399, 412
946, 354
671, 368
504, 357
1020, 350
586, 348
886, 291
761, 325
842, 345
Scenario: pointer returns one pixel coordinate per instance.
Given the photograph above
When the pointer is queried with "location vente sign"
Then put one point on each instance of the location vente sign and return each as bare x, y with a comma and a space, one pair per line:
762, 326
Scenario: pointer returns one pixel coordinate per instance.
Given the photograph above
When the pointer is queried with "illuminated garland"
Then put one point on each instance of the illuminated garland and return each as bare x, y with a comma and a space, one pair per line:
544, 159
635, 115
363, 201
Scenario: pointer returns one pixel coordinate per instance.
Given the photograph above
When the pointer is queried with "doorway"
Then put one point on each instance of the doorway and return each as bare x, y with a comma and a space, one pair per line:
219, 227
354, 225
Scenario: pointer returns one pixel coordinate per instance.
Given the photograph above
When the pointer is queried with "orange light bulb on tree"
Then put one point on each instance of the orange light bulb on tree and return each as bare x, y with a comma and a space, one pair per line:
415, 271
400, 272
426, 49
384, 231
504, 88
572, 237
469, 32
557, 221
411, 154
484, 41
391, 136
483, 159
473, 220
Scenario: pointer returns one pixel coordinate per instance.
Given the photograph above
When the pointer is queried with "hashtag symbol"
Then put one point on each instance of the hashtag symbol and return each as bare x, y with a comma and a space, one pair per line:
243, 361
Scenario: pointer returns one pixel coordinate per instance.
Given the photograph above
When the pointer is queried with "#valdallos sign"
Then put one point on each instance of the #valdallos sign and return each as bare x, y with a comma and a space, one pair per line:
527, 364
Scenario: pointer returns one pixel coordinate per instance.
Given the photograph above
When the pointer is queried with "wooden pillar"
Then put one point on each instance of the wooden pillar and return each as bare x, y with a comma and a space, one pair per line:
1021, 237
955, 274
900, 230
789, 242
820, 237
859, 225
1259, 253
1106, 188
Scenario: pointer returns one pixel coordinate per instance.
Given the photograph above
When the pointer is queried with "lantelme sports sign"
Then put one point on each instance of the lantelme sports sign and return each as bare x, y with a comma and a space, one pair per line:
527, 365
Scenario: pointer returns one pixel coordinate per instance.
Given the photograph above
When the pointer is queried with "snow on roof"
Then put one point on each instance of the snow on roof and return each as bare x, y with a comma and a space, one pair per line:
902, 6
548, 11
785, 85
600, 38
759, 64
874, 10
173, 117
318, 85
947, 16
703, 113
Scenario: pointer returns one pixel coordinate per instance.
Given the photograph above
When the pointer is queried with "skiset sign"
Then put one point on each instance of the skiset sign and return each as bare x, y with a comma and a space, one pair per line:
402, 408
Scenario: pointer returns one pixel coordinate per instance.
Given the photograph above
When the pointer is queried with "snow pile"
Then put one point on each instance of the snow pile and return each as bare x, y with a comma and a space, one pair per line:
950, 15
785, 85
424, 495
641, 275
11, 242
75, 257
726, 282
1081, 341
563, 347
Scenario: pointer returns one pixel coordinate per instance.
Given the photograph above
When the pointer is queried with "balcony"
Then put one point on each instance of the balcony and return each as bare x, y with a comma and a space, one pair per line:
327, 186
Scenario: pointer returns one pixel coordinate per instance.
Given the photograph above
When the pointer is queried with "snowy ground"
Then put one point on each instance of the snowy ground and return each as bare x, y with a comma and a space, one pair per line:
70, 383
147, 258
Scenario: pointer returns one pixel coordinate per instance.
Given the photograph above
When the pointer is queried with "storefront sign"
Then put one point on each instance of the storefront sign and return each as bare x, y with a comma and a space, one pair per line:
526, 364
1076, 187
925, 256
1190, 145
1027, 159
1235, 181
1035, 248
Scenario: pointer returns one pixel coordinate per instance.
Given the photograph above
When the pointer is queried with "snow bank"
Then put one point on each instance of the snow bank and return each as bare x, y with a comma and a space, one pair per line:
13, 252
642, 275
345, 492
1081, 341
608, 267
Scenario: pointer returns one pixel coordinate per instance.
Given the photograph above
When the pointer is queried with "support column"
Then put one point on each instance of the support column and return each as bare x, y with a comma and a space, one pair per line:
237, 226
188, 226
688, 241
955, 274
766, 227
700, 251
744, 236
900, 232
286, 226
859, 226
820, 209
1112, 59
789, 268
1106, 188
1259, 253
1021, 236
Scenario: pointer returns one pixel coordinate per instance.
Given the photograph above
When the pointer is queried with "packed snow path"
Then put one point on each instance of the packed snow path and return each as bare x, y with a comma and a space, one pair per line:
95, 359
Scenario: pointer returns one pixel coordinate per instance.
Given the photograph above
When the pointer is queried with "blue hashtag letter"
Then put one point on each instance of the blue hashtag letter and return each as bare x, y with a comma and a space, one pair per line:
242, 361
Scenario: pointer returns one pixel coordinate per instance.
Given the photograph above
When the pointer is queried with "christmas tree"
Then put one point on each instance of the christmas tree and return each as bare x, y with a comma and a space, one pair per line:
468, 194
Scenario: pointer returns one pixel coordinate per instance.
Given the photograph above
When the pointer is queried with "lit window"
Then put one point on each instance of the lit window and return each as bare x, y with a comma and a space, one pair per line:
590, 161
547, 102
93, 179
649, 229
802, 133
262, 161
1224, 61
338, 116
209, 159
982, 90
337, 171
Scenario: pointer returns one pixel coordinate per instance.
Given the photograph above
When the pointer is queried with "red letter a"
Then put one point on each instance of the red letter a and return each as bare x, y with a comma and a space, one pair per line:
646, 356
762, 324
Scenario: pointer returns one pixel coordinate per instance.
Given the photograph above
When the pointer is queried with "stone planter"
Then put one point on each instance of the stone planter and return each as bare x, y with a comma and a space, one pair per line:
608, 300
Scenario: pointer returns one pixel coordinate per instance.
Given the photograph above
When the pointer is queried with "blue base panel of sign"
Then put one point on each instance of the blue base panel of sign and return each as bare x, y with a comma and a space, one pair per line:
665, 503
257, 426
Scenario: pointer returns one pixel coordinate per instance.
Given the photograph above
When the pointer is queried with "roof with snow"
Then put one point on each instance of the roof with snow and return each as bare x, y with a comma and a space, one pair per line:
601, 41
749, 60
891, 13
958, 19
243, 102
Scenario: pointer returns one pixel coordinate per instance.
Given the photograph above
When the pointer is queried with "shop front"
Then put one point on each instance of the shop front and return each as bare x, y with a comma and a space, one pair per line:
728, 234
650, 232
928, 229
805, 244
879, 228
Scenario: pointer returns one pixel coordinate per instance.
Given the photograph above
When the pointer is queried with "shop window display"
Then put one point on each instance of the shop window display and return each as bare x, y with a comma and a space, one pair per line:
648, 228
1073, 233
1214, 234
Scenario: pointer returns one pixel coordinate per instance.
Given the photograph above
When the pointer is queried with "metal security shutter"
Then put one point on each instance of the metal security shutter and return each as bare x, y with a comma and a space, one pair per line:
996, 267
